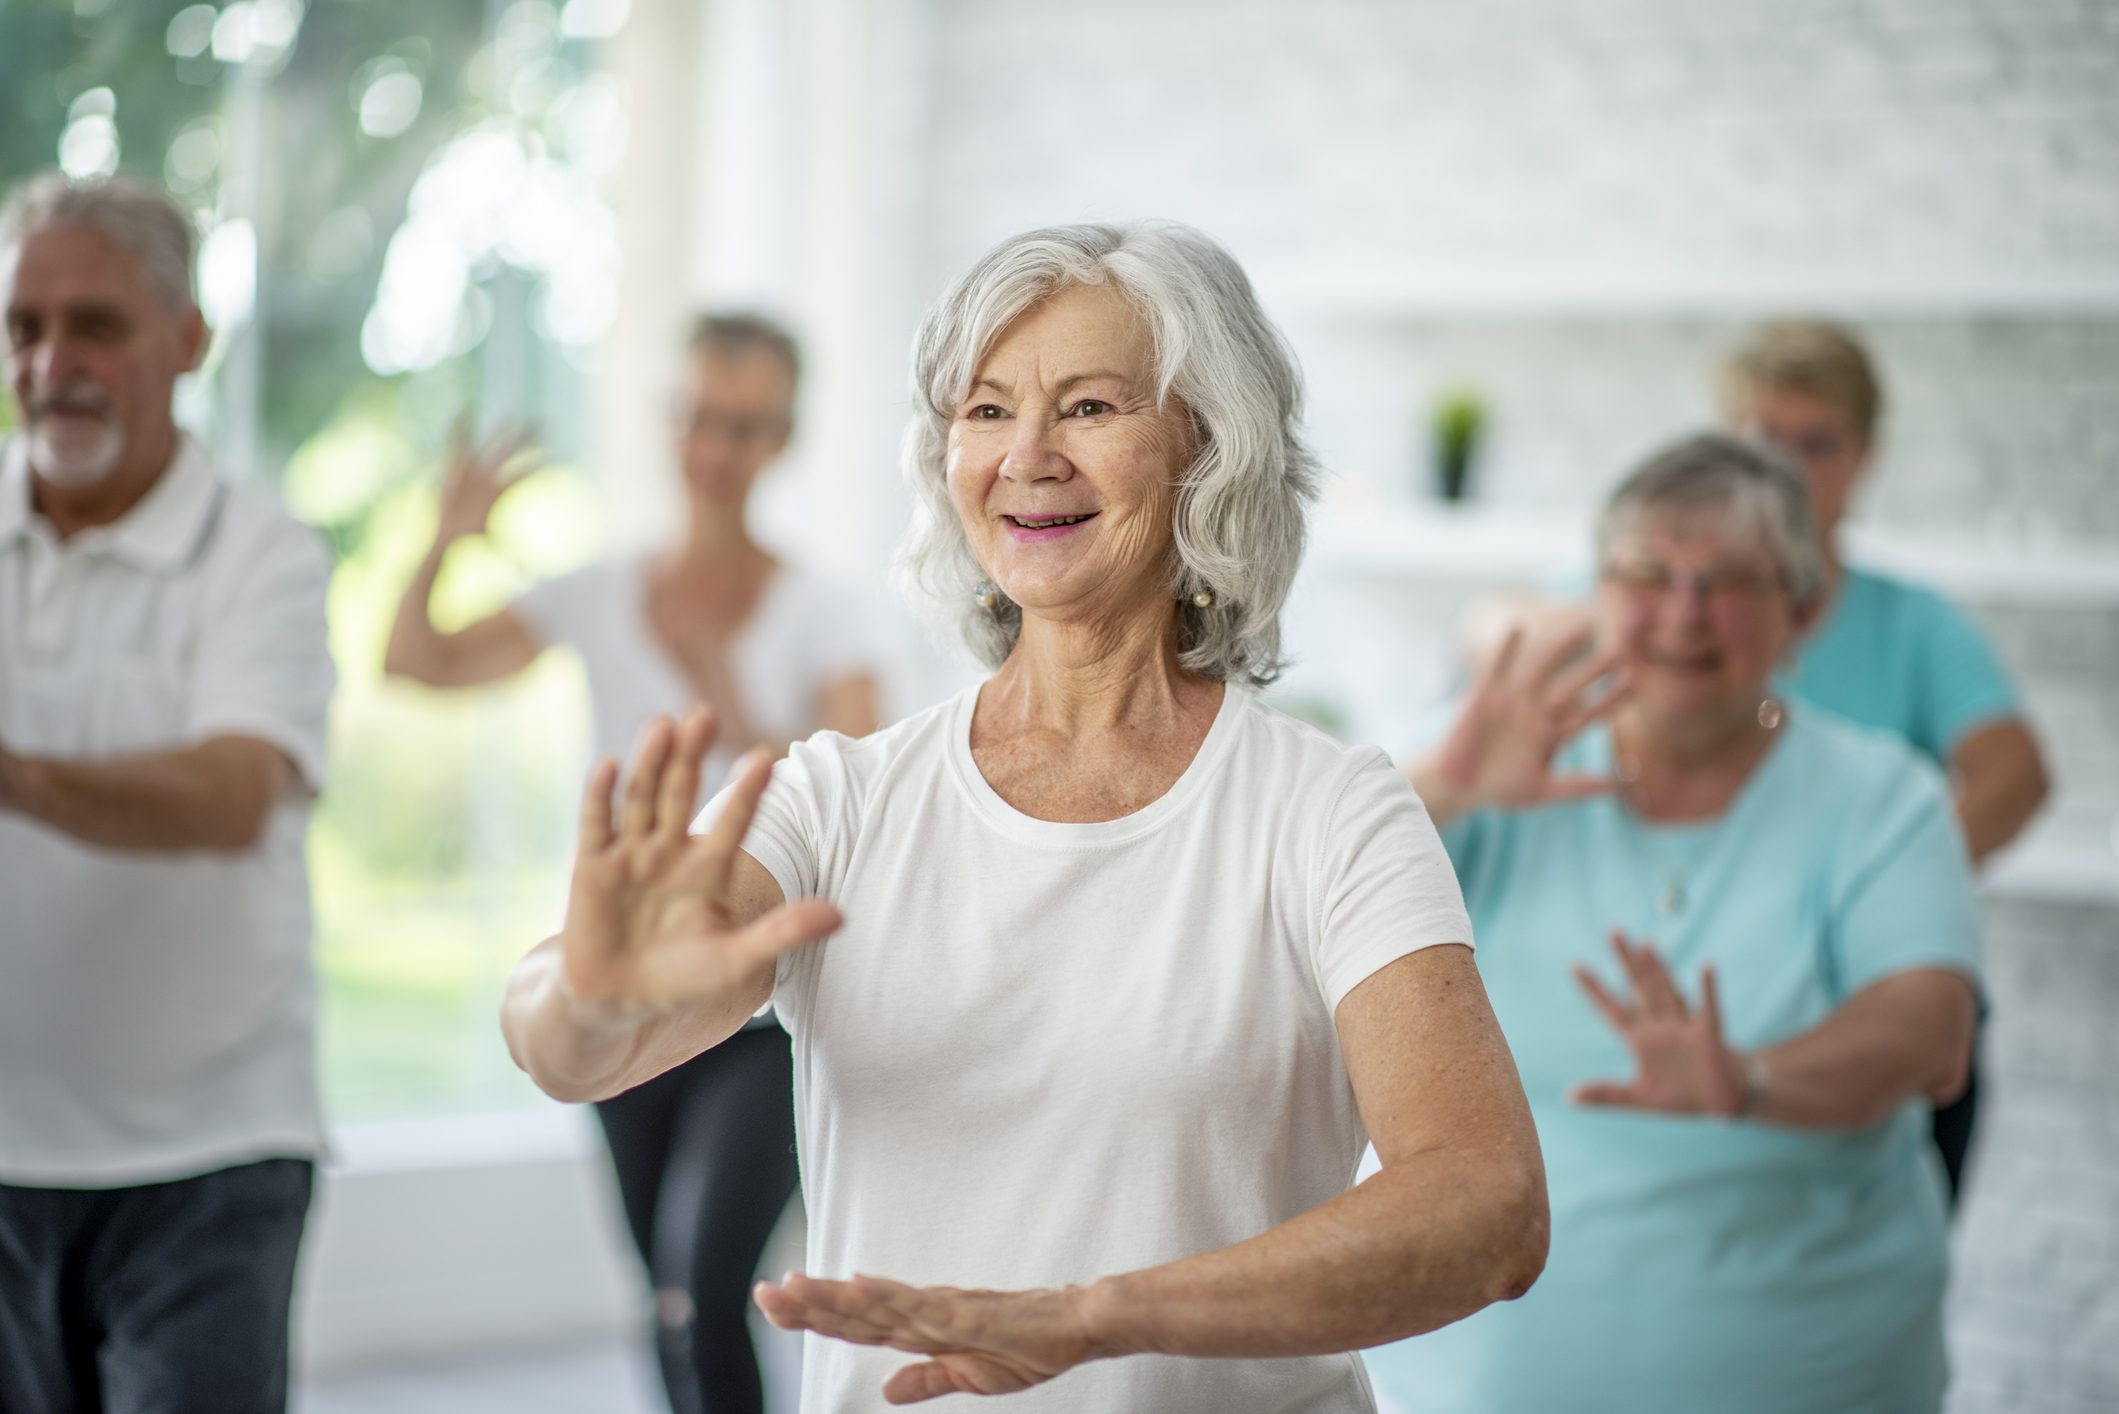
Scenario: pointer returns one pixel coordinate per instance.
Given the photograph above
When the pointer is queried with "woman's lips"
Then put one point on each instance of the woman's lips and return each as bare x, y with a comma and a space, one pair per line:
1046, 527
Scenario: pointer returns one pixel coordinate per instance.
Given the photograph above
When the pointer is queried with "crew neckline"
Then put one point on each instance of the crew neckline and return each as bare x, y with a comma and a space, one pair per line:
1235, 703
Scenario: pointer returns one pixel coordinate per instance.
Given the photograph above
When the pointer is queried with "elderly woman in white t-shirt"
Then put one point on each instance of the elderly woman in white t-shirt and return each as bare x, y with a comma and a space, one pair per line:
1100, 974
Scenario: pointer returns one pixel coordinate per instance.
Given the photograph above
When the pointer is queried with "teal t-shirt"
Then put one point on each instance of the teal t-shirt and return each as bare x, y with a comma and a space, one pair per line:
1903, 658
1703, 1264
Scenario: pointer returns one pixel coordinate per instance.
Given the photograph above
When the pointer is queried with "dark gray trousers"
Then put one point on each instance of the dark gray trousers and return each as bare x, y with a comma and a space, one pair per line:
167, 1298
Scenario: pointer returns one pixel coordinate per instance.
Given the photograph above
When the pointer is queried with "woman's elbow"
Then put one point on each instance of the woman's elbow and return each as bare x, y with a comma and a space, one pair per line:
1525, 1220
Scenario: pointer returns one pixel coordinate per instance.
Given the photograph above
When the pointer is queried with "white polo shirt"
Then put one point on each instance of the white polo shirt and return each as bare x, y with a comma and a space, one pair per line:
157, 1008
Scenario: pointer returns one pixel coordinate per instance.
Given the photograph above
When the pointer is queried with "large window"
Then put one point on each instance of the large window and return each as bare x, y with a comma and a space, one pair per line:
401, 233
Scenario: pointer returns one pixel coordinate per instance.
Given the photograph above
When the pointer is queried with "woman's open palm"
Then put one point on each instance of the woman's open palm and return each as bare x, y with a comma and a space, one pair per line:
1499, 751
976, 1342
1683, 1065
652, 921
476, 480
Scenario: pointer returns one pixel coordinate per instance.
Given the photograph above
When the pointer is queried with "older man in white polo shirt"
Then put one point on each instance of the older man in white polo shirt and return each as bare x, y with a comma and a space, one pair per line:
163, 684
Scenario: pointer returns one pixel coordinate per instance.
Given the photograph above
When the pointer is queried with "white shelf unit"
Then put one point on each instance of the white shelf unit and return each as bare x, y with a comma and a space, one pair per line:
1477, 547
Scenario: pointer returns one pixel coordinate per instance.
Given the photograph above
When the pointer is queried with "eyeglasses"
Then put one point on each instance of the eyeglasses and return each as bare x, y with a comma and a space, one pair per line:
1720, 584
695, 421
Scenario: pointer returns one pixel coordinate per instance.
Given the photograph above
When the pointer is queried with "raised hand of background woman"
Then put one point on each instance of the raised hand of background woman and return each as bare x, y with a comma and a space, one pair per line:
478, 476
1682, 1063
1499, 750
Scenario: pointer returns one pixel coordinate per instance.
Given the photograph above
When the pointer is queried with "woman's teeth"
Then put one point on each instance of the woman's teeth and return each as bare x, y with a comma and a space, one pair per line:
1047, 524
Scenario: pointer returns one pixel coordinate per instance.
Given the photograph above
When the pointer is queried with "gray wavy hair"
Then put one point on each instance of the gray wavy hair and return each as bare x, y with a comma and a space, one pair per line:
140, 218
1733, 478
1239, 520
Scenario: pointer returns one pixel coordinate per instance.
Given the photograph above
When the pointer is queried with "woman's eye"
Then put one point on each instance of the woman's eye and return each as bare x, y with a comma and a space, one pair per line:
985, 412
1090, 407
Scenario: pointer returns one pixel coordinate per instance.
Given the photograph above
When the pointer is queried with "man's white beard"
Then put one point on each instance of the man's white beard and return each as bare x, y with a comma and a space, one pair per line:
75, 452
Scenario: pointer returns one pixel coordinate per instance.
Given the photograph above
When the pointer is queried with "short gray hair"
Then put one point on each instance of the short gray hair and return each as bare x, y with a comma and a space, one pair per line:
1239, 521
1735, 479
139, 217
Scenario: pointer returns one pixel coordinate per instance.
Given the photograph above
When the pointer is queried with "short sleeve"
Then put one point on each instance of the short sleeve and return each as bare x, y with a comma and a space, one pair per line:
1388, 889
787, 834
564, 608
1963, 686
1903, 896
264, 661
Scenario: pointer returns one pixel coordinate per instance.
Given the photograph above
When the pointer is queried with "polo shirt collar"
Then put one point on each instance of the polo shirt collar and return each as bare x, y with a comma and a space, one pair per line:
14, 489
159, 534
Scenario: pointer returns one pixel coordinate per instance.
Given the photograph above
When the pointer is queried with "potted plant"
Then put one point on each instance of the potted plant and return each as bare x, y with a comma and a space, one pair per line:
1460, 416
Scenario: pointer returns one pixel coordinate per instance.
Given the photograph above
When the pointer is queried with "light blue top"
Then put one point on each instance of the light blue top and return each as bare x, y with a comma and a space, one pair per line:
1702, 1264
1903, 658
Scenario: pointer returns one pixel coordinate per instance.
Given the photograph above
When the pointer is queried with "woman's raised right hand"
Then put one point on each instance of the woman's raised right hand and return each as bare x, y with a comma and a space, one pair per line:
1500, 748
654, 923
475, 480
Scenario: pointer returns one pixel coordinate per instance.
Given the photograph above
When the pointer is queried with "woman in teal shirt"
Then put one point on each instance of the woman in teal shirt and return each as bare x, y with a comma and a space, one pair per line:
1746, 1212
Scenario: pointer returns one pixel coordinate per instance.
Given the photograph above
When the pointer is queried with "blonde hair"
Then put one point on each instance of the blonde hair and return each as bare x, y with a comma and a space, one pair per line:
1813, 356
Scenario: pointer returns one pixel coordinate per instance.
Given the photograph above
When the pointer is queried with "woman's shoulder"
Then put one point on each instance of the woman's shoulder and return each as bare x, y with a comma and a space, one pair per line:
1299, 761
1851, 771
922, 738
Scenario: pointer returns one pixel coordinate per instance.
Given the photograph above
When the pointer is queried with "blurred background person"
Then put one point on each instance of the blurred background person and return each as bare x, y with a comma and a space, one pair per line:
1879, 650
704, 1153
164, 680
1755, 1219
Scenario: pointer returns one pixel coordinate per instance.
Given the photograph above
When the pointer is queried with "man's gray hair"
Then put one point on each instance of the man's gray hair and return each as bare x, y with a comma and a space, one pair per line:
139, 217
1731, 480
1239, 520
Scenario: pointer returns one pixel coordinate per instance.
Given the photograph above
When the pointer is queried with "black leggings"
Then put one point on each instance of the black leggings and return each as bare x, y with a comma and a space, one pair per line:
705, 1155
1953, 1133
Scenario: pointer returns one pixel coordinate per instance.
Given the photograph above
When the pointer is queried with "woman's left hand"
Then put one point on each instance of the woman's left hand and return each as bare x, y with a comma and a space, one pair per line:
1685, 1067
977, 1342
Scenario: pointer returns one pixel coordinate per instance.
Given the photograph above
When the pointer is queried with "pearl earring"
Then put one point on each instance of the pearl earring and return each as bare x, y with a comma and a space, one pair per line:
1769, 714
1203, 598
986, 596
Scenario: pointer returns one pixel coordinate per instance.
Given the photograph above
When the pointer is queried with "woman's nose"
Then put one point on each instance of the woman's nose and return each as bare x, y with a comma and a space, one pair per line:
1034, 453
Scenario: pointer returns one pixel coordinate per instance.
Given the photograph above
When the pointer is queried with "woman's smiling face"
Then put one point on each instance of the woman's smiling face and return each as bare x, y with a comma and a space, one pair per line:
1699, 612
1063, 468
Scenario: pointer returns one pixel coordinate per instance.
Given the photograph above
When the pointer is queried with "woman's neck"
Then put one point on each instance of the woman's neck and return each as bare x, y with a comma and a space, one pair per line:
1689, 767
1084, 678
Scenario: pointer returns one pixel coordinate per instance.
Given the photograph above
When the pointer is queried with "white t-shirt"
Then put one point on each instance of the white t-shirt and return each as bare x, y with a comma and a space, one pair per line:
1042, 1053
156, 1009
803, 634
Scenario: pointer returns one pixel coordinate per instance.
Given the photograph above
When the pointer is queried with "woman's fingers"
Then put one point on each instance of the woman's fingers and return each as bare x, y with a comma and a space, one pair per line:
638, 814
717, 847
929, 1379
1494, 673
788, 928
1608, 1094
1580, 711
1659, 990
1583, 786
679, 787
596, 806
1615, 1011
1711, 1003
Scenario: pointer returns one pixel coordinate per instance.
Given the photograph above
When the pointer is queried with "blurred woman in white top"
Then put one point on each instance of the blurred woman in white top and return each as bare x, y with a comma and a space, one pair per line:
704, 1154
1100, 974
